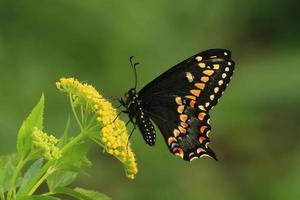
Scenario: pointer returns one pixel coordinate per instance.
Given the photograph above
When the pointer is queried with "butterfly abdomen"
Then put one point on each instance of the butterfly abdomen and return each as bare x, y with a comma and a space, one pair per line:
146, 127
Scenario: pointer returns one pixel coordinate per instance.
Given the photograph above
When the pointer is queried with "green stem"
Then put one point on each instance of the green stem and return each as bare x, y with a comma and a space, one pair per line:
74, 112
36, 178
82, 115
47, 194
92, 128
29, 188
89, 126
40, 181
73, 141
20, 165
97, 142
2, 197
86, 113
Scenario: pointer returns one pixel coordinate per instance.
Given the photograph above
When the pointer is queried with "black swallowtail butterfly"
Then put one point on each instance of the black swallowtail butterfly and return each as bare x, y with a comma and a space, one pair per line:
179, 100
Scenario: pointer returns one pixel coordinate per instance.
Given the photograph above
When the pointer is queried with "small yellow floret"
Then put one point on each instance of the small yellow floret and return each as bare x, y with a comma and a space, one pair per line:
46, 144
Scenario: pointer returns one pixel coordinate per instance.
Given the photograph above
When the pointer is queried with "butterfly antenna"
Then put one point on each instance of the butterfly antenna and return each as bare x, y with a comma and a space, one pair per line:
134, 70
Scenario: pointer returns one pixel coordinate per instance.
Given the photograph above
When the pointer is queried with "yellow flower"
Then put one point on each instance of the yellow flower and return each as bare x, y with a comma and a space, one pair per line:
114, 135
46, 144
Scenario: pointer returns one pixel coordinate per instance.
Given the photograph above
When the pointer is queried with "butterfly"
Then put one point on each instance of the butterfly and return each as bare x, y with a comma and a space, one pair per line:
178, 102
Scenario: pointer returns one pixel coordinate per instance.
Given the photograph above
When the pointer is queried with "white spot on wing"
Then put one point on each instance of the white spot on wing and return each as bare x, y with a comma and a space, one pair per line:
201, 108
189, 76
216, 89
202, 65
198, 58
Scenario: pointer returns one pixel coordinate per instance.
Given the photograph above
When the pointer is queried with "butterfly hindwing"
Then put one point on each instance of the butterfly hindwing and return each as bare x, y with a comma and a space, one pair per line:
179, 100
185, 129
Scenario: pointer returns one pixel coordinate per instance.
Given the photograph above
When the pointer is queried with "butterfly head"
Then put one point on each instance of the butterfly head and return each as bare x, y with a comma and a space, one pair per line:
130, 97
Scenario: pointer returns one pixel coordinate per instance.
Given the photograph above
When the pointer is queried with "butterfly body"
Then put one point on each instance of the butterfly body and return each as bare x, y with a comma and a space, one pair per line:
137, 116
179, 101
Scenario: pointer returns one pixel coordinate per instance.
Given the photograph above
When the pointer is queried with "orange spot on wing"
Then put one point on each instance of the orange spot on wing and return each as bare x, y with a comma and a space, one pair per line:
199, 150
183, 118
191, 154
192, 103
180, 109
208, 72
202, 129
196, 92
201, 139
176, 132
201, 116
171, 140
184, 125
200, 85
182, 130
191, 97
178, 100
204, 79
178, 151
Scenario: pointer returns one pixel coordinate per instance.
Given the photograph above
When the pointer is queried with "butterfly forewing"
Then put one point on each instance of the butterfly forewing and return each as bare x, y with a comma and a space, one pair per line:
176, 75
179, 100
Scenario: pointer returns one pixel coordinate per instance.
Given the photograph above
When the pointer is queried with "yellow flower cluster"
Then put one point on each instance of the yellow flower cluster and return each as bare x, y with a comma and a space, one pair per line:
114, 135
46, 144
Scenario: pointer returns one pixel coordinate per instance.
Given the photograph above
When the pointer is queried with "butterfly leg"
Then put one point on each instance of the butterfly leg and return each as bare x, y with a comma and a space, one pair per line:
130, 117
118, 106
113, 98
118, 115
134, 127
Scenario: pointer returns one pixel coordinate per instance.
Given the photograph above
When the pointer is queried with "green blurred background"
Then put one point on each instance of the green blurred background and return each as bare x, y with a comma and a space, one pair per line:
255, 126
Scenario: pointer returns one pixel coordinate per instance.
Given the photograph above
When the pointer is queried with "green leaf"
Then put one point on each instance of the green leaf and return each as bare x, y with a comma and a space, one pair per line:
61, 179
35, 119
31, 172
82, 194
38, 197
13, 158
71, 192
92, 194
6, 174
8, 164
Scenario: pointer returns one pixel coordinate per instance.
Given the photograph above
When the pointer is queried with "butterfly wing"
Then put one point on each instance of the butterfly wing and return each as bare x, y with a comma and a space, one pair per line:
179, 100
